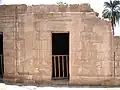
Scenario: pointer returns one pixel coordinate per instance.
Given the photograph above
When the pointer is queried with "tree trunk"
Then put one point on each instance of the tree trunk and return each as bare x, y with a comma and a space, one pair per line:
113, 30
112, 25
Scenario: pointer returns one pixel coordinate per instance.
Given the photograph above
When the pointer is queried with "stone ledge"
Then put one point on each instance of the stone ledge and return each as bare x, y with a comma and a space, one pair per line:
107, 83
83, 81
22, 8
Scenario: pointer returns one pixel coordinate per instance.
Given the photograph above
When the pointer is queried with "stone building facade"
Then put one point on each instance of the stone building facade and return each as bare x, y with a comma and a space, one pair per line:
27, 44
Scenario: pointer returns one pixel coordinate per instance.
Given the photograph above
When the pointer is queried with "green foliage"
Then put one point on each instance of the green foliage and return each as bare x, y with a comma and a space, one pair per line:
112, 11
61, 3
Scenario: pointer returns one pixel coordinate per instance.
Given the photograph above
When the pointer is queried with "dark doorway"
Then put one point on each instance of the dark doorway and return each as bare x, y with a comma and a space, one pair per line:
1, 55
60, 55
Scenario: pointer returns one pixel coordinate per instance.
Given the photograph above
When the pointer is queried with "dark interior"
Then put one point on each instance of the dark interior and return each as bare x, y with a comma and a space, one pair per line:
1, 55
60, 43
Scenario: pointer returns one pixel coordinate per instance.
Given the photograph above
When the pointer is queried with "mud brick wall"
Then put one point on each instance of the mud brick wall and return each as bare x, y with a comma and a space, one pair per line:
27, 42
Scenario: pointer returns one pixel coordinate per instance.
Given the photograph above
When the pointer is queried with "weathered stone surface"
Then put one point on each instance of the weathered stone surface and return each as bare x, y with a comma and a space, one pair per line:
117, 55
28, 42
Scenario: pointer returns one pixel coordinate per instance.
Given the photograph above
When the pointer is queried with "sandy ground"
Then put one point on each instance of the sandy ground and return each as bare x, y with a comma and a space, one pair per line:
3, 86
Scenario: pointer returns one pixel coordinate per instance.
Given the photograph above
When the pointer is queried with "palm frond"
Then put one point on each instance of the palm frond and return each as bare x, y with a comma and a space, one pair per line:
107, 13
115, 3
117, 16
111, 3
107, 4
117, 7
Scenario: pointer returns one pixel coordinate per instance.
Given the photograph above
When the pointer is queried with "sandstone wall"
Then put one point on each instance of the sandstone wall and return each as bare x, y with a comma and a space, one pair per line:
117, 55
8, 27
27, 43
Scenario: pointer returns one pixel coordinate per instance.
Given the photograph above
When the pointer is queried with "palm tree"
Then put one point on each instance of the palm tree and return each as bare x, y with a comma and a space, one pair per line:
112, 12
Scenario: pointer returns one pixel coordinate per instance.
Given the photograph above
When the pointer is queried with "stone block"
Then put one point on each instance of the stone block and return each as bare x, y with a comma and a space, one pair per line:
106, 63
45, 35
105, 72
62, 8
9, 68
8, 36
117, 71
89, 72
37, 44
8, 44
44, 45
37, 78
9, 53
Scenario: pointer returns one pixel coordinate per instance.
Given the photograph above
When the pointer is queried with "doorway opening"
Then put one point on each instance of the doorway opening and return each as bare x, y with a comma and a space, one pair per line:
60, 55
1, 56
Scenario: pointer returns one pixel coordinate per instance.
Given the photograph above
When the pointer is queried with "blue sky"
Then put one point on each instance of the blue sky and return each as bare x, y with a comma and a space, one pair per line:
97, 5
